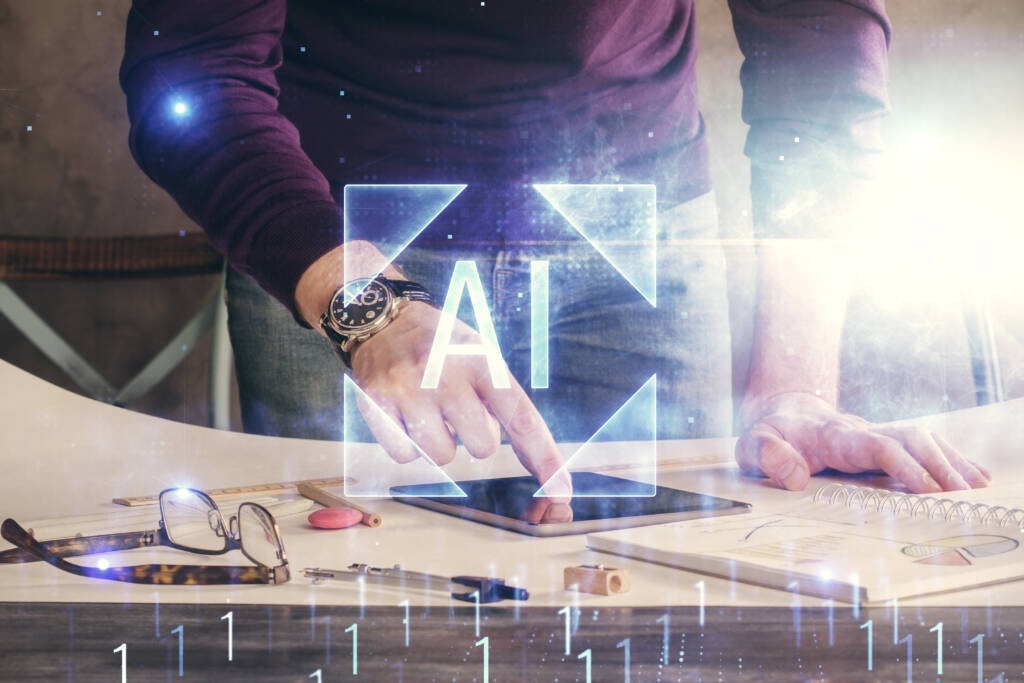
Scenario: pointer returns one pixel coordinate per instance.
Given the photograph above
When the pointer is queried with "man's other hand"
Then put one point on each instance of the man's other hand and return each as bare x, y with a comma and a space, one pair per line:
793, 435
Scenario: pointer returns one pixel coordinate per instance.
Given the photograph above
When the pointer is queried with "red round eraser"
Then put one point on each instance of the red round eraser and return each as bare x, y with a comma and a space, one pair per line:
335, 518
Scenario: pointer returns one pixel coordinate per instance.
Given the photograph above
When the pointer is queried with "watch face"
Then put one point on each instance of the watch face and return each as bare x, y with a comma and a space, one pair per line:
368, 303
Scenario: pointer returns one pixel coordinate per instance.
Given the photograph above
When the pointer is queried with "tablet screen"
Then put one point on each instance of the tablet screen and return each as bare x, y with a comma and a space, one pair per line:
510, 497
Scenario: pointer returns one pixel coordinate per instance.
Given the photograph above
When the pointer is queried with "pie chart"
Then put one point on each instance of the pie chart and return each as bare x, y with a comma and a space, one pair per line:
959, 550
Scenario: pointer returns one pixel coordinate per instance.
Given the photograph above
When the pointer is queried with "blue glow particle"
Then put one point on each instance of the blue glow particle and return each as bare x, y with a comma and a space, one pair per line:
28, 128
348, 116
181, 233
180, 108
341, 93
156, 33
302, 48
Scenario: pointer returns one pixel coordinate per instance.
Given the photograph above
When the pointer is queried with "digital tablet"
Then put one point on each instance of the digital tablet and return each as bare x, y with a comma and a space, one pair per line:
503, 503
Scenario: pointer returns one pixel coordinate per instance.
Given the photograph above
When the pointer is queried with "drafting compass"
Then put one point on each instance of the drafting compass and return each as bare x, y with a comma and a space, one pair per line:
484, 588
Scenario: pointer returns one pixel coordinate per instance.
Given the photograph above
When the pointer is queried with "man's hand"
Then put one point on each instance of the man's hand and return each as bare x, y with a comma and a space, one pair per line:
389, 367
794, 435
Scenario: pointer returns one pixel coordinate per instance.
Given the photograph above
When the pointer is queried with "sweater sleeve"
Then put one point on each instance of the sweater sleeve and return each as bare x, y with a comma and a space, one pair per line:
814, 93
202, 101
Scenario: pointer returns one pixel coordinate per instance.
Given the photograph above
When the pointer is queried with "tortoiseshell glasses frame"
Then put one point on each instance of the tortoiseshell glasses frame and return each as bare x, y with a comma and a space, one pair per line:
218, 539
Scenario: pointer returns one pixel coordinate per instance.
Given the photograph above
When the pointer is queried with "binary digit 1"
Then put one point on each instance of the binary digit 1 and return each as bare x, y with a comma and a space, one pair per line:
624, 644
586, 655
576, 612
515, 608
156, 613
700, 587
869, 625
831, 605
354, 628
909, 640
318, 675
476, 610
270, 628
979, 639
312, 621
895, 602
487, 656
405, 621
937, 629
123, 649
664, 637
180, 630
795, 606
327, 639
855, 584
230, 616
568, 637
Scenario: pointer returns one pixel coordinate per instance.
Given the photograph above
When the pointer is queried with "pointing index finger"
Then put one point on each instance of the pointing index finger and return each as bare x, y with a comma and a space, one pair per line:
529, 435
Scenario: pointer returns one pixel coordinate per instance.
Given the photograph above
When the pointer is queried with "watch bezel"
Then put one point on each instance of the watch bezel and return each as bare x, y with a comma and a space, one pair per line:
357, 333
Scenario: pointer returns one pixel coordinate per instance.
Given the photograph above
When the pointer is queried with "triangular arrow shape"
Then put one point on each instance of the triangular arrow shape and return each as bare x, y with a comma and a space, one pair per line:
391, 216
620, 221
370, 472
635, 421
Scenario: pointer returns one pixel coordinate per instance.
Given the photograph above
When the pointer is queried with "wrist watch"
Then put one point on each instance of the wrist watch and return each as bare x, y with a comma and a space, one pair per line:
372, 304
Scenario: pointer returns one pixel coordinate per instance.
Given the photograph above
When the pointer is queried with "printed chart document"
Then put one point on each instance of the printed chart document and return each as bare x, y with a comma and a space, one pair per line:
849, 543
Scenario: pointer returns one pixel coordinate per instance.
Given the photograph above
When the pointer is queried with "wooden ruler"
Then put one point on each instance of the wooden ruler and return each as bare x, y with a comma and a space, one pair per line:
278, 487
696, 461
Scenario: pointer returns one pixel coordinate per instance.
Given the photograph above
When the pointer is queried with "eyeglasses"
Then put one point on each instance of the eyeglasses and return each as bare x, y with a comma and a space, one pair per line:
189, 520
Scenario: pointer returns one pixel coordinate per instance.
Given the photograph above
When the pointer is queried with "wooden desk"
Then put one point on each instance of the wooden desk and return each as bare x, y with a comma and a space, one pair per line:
67, 455
59, 642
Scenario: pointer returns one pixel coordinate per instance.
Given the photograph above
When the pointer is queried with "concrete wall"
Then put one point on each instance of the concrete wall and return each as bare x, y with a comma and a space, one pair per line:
956, 71
72, 174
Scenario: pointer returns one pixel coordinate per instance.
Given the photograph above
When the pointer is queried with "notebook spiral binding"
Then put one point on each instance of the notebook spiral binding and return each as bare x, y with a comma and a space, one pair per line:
919, 506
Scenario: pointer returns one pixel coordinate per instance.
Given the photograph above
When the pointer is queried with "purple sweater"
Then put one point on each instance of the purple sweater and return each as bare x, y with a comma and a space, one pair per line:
253, 114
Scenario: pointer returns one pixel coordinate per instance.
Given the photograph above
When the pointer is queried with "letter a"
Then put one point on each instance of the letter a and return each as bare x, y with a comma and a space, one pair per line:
465, 275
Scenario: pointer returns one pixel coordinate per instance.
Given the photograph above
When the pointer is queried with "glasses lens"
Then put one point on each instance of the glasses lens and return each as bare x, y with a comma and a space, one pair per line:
192, 521
258, 535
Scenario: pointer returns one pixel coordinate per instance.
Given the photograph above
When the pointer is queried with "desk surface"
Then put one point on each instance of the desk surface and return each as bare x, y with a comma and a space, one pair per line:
56, 642
68, 455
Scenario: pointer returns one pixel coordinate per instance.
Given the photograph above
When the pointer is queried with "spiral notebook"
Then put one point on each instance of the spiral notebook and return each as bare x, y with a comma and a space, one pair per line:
849, 543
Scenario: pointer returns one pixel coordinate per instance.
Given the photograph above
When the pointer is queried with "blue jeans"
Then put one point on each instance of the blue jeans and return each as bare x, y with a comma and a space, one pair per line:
605, 339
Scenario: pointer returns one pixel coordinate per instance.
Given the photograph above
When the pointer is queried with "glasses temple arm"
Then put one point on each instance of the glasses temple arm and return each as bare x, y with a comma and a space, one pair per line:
163, 574
85, 545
